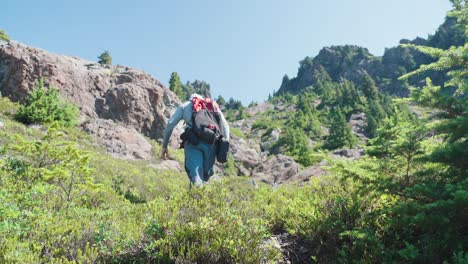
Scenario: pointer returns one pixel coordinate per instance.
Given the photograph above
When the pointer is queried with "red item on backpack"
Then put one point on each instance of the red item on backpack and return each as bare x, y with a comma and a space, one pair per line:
200, 103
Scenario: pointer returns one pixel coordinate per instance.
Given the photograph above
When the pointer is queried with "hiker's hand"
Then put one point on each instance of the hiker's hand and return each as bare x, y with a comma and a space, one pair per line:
164, 153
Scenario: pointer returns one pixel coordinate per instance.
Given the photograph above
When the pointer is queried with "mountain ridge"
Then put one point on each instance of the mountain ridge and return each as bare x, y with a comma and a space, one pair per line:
350, 62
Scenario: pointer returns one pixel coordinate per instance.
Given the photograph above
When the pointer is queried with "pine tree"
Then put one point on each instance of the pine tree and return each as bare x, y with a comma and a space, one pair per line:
306, 117
175, 85
105, 58
285, 84
369, 88
340, 133
375, 115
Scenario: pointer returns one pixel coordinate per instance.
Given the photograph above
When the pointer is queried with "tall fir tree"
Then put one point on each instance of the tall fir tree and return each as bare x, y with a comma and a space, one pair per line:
375, 115
340, 133
176, 86
369, 88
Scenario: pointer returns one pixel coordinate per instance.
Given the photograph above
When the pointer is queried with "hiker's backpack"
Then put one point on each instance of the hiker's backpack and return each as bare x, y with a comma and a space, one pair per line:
206, 120
206, 126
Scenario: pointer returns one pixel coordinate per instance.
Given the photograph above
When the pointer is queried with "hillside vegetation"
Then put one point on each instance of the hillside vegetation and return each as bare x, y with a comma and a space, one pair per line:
65, 201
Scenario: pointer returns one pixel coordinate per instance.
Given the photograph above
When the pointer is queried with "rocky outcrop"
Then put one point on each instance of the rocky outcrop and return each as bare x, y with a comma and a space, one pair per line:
358, 124
199, 87
267, 144
246, 154
259, 108
304, 175
135, 102
276, 169
352, 154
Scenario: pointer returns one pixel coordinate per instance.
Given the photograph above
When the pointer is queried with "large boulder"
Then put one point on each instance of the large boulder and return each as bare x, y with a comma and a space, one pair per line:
131, 98
319, 169
276, 169
269, 140
352, 154
246, 154
358, 123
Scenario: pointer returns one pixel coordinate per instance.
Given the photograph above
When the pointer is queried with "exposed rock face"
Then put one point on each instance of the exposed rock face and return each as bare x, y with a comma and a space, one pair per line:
199, 87
319, 169
246, 153
275, 170
119, 141
352, 154
267, 144
132, 99
259, 108
358, 123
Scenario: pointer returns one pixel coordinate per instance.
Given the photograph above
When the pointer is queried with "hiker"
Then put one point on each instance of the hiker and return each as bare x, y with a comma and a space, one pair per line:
200, 140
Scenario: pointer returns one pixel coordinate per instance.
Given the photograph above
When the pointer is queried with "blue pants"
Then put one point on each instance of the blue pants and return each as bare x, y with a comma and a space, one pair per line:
199, 161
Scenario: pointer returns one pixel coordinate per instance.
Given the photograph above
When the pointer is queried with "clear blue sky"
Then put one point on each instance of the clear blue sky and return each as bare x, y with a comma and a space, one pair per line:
242, 48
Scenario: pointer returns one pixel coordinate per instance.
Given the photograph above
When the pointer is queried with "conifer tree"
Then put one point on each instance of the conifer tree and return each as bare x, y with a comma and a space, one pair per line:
285, 83
105, 58
375, 116
175, 85
369, 88
340, 133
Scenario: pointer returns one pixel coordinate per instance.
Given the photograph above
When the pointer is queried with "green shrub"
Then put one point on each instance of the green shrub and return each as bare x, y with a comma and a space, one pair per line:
230, 166
261, 124
237, 133
44, 105
215, 224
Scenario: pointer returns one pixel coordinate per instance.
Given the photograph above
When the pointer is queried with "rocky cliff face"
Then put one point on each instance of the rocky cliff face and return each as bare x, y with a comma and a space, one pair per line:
116, 102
